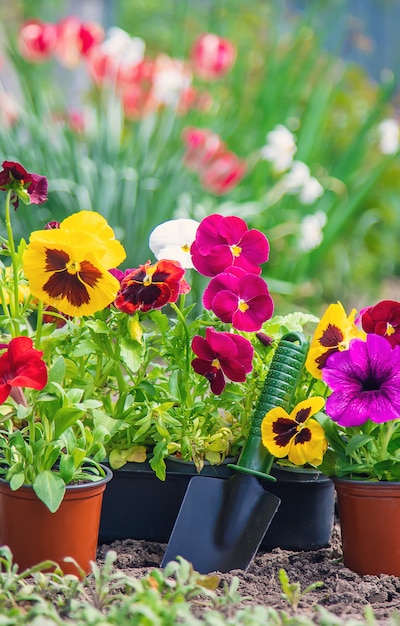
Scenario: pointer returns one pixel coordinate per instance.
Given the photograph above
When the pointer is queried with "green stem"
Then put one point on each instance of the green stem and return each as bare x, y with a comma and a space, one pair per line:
39, 324
14, 302
186, 331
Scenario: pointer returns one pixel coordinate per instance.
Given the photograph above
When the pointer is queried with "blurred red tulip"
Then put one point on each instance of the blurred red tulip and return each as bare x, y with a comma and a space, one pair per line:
75, 39
202, 145
36, 40
212, 56
223, 173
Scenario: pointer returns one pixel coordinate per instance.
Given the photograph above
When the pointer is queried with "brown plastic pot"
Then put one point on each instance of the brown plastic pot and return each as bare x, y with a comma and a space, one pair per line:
34, 534
369, 516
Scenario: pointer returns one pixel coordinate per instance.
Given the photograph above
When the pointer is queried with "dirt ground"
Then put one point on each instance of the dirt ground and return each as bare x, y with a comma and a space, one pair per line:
343, 593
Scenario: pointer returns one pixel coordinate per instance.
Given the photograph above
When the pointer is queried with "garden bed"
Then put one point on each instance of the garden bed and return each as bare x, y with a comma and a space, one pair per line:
343, 593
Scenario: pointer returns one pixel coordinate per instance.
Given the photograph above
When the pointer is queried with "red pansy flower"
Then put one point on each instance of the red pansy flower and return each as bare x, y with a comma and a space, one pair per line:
383, 319
151, 286
21, 365
223, 242
221, 356
30, 188
240, 299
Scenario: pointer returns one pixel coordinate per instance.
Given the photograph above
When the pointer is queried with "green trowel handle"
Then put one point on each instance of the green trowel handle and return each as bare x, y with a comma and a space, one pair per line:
278, 389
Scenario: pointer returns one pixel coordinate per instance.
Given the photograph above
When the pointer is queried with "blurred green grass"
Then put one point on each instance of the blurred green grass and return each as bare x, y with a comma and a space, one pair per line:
132, 172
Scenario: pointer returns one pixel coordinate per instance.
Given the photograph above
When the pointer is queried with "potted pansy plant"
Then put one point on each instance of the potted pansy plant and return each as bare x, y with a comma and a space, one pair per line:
51, 444
357, 358
200, 375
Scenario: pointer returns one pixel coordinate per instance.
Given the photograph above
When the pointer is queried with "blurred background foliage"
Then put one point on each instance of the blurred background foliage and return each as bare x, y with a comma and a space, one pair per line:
291, 70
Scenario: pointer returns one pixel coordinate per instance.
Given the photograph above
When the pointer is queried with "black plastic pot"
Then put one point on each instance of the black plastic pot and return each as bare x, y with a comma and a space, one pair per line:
304, 519
137, 505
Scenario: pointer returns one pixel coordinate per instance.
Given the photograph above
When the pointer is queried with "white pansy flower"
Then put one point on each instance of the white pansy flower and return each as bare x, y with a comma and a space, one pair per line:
311, 234
172, 240
280, 148
389, 136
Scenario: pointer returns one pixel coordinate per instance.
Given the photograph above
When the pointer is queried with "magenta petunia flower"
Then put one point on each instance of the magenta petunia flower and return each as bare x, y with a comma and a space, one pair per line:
30, 188
222, 242
365, 380
221, 356
383, 319
240, 299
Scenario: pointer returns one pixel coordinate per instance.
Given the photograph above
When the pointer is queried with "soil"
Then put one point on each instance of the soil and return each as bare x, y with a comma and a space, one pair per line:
343, 593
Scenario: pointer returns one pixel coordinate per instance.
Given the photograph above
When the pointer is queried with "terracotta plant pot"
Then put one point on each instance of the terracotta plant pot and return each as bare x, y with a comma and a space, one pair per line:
34, 534
369, 516
304, 519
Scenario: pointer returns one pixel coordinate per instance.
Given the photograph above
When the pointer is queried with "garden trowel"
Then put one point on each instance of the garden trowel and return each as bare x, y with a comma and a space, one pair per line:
222, 522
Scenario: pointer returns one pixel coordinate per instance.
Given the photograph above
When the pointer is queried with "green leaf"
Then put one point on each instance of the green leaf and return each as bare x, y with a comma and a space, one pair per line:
356, 442
50, 489
67, 467
132, 353
17, 480
57, 371
66, 417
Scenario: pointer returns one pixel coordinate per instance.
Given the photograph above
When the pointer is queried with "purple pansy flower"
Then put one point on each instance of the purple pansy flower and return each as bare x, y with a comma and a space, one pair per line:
365, 380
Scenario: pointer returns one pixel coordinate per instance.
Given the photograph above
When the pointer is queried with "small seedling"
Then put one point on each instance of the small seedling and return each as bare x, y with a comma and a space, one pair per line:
292, 592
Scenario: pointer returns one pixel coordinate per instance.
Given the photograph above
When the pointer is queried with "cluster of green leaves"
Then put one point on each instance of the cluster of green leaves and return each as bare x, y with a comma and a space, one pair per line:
368, 452
53, 441
176, 594
131, 171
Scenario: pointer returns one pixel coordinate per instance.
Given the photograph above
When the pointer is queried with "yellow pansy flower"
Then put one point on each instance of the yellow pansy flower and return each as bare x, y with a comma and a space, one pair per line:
333, 333
297, 436
67, 267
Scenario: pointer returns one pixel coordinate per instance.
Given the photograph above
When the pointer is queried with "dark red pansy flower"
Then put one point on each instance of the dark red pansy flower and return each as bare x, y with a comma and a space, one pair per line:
383, 319
30, 188
221, 356
151, 286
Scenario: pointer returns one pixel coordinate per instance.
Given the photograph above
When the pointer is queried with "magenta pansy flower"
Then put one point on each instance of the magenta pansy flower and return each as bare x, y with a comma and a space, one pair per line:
383, 319
365, 381
221, 356
222, 242
240, 299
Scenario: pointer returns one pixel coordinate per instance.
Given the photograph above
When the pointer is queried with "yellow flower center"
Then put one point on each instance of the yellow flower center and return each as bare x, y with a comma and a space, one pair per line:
389, 329
73, 267
185, 248
147, 280
236, 250
215, 363
242, 306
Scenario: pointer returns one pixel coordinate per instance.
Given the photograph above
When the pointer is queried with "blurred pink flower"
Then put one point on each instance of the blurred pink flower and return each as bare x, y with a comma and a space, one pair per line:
223, 173
212, 56
222, 242
36, 40
202, 145
75, 39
